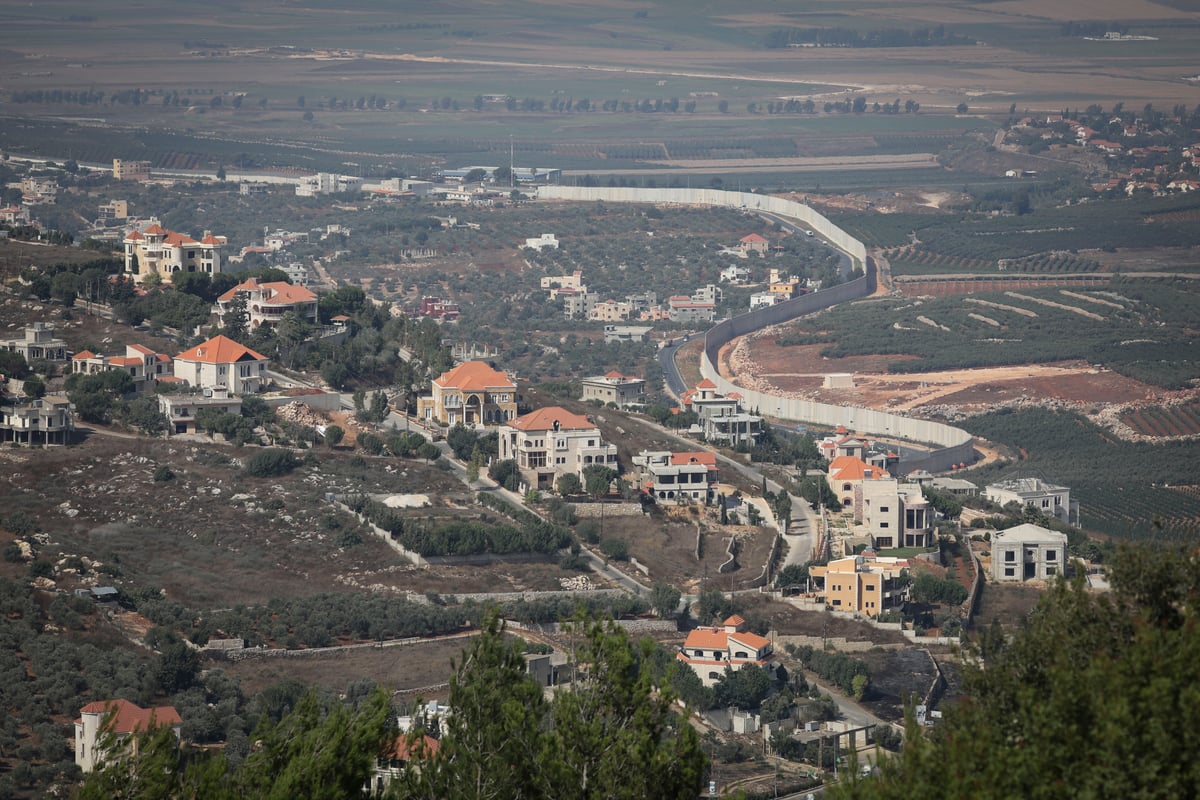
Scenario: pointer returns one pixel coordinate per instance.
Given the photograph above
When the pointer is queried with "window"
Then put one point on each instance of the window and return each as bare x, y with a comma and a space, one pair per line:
837, 602
1051, 570
883, 509
846, 487
869, 587
1010, 555
1009, 572
1051, 555
883, 524
1045, 504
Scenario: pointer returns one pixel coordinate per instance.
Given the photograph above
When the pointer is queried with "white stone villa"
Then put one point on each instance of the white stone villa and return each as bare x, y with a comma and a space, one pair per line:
709, 651
551, 442
222, 363
158, 251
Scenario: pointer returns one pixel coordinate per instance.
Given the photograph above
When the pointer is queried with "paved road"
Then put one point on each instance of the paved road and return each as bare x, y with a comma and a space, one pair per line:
671, 377
845, 266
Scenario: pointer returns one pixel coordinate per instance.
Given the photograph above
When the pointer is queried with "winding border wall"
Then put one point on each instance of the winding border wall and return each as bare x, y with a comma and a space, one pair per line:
951, 445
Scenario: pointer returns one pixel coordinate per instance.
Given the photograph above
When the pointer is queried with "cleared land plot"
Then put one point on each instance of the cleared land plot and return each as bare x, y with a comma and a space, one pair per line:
398, 669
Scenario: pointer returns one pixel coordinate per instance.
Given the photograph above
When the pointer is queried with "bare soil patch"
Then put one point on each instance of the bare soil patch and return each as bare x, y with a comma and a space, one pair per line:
800, 371
406, 668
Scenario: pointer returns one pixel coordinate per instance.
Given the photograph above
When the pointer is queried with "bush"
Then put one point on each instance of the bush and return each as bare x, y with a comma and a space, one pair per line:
163, 474
615, 548
272, 463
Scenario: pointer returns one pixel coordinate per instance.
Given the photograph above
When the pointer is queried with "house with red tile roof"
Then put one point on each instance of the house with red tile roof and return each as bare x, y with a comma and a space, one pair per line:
145, 366
473, 393
222, 363
155, 250
121, 719
846, 474
709, 651
266, 303
753, 243
551, 442
405, 749
613, 387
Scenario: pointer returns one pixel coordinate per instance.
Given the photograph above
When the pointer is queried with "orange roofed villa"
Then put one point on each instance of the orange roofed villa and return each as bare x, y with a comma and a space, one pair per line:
552, 442
266, 303
472, 393
709, 651
222, 363
158, 251
122, 719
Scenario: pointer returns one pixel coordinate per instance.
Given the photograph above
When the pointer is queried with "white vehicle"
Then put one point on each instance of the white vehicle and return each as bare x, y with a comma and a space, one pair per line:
808, 233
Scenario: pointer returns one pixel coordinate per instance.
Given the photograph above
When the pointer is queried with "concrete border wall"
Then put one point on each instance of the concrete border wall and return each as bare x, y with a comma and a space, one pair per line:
950, 445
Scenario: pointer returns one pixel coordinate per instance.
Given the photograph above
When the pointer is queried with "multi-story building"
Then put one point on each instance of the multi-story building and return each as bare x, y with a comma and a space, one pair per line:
863, 584
894, 514
112, 211
327, 183
683, 309
437, 308
158, 251
181, 409
551, 442
266, 303
15, 215
222, 363
846, 475
553, 284
680, 477
721, 417
38, 343
610, 311
613, 387
709, 651
130, 170
145, 366
1053, 501
1028, 552
472, 393
577, 304
45, 420
122, 720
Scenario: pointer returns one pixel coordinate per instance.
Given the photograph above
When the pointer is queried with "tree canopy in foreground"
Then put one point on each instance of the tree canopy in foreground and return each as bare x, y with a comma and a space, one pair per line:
1094, 697
611, 733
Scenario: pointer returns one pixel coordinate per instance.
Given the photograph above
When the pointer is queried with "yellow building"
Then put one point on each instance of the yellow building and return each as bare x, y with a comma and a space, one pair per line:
473, 394
865, 584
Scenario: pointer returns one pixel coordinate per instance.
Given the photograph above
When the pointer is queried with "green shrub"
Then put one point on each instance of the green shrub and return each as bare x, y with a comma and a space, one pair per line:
271, 463
163, 474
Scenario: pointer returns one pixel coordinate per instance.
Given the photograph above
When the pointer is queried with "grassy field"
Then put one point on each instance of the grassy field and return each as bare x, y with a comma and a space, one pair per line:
439, 58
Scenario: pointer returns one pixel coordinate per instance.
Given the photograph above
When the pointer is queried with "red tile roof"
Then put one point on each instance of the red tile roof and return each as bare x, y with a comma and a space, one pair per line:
474, 376
220, 350
734, 621
544, 418
129, 718
404, 749
699, 457
706, 384
850, 468
86, 354
753, 238
157, 229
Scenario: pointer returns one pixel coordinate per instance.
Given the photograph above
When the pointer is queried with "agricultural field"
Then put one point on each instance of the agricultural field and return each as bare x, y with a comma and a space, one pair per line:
1140, 328
1164, 421
577, 86
1127, 490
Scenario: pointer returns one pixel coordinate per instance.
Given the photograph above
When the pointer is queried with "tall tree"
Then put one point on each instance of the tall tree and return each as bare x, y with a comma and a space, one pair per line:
1088, 699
